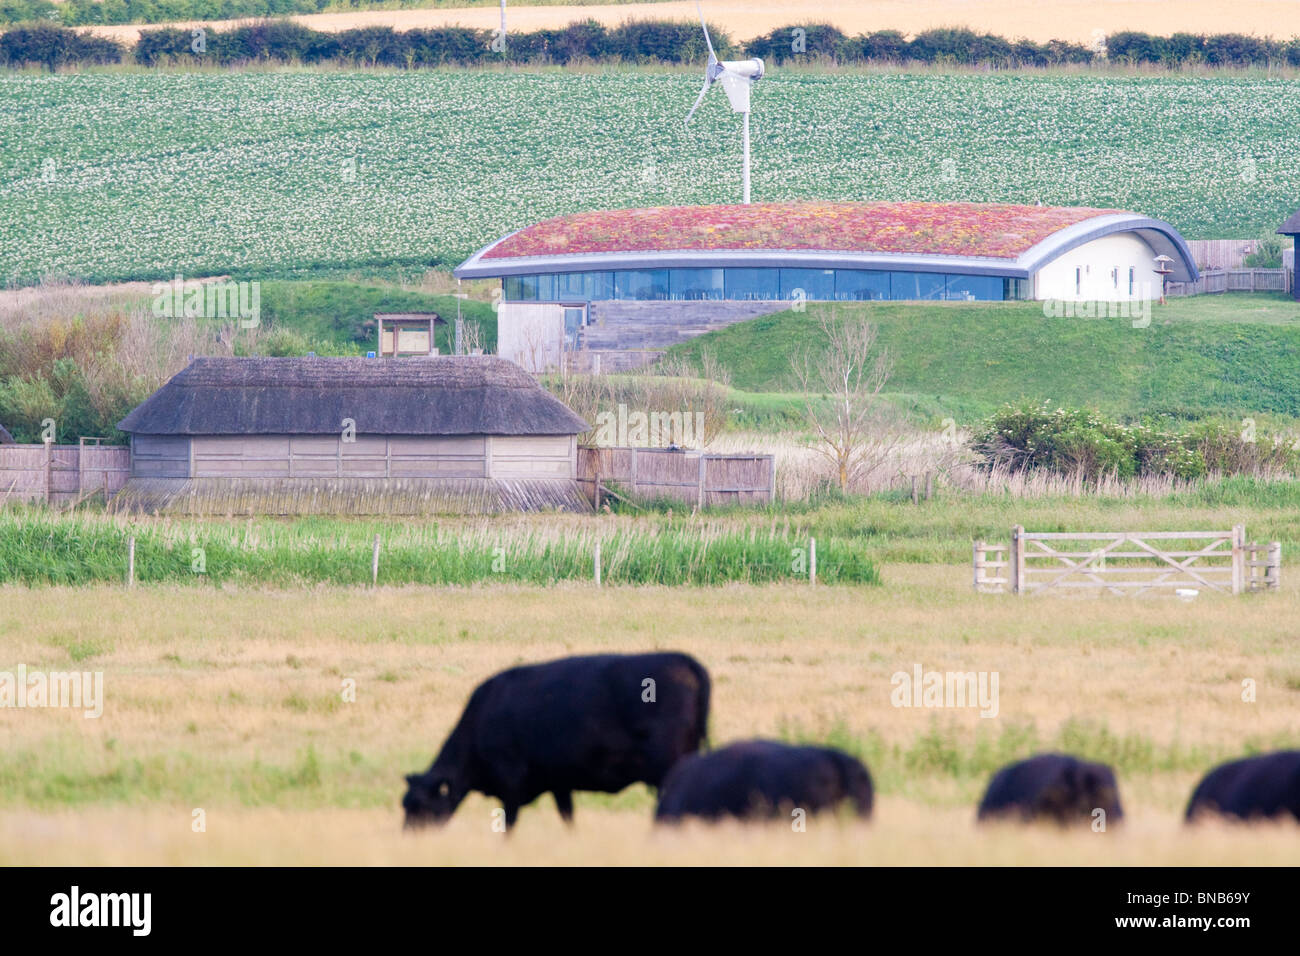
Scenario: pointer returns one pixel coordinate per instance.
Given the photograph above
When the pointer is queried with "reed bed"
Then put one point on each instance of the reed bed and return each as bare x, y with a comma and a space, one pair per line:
44, 548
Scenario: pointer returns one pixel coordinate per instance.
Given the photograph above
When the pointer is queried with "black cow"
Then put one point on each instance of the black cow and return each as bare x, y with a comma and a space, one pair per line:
1261, 787
763, 778
578, 723
1052, 787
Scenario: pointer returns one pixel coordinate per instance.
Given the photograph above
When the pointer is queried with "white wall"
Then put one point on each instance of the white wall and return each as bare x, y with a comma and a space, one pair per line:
531, 334
1095, 261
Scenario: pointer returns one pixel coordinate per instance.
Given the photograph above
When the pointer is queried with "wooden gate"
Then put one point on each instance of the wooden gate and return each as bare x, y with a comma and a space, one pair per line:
1128, 562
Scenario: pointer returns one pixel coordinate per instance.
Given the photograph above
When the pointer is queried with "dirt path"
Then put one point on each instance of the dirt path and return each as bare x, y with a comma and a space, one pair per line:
1077, 20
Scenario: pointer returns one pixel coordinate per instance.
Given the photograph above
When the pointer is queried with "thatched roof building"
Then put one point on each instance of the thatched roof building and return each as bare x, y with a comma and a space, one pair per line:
352, 436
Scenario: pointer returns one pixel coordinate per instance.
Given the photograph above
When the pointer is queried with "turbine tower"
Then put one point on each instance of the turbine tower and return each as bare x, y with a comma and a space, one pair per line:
738, 78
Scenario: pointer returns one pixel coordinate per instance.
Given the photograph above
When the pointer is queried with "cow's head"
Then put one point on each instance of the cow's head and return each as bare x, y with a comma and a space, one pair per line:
431, 798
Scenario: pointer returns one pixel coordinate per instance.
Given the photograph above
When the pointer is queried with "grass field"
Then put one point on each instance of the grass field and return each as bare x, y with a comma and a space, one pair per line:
292, 172
234, 707
1075, 20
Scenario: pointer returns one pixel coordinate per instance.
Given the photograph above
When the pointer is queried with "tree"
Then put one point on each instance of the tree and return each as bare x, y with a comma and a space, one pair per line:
841, 383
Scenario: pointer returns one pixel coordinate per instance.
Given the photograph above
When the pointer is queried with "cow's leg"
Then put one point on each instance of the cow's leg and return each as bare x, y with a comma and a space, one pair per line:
564, 803
512, 813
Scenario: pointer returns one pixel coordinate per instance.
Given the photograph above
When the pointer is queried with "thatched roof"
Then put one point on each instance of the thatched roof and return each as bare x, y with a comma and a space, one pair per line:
441, 395
1292, 226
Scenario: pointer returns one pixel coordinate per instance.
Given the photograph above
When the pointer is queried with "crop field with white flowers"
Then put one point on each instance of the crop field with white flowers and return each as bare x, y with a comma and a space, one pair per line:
294, 172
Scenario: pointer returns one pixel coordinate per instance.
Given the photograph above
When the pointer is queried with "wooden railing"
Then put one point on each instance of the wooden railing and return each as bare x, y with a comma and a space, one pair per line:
1128, 562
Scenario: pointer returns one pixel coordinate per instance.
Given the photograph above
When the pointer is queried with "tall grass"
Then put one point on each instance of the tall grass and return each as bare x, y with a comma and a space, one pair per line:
38, 547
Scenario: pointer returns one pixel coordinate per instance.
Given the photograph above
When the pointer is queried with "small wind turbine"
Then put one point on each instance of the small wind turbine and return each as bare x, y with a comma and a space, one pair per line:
738, 78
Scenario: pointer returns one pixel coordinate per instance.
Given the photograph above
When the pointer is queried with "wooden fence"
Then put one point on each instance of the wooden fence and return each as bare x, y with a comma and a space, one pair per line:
692, 477
1214, 281
62, 474
1125, 562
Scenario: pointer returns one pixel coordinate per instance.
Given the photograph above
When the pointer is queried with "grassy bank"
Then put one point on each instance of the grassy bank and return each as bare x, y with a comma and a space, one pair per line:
1235, 355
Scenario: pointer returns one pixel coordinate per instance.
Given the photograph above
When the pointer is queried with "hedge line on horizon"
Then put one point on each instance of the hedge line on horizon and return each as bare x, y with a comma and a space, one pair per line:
646, 41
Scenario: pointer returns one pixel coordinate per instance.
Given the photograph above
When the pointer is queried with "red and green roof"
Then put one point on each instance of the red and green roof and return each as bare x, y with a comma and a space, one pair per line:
938, 229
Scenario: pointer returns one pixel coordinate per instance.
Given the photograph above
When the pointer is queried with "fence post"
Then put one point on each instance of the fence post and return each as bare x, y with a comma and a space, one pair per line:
700, 500
1273, 573
130, 561
1238, 558
596, 563
914, 499
929, 485
812, 561
374, 564
49, 472
1017, 563
977, 562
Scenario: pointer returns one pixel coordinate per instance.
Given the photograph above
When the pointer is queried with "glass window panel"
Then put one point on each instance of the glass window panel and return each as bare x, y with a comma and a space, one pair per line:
916, 285
975, 288
695, 283
546, 287
861, 284
512, 288
818, 285
641, 284
752, 283
527, 288
571, 285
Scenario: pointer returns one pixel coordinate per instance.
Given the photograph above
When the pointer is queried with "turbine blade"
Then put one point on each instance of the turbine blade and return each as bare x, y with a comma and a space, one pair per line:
708, 42
699, 99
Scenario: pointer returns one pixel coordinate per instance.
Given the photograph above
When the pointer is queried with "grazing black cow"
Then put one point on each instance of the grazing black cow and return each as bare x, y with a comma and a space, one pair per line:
763, 778
1263, 787
578, 723
1053, 787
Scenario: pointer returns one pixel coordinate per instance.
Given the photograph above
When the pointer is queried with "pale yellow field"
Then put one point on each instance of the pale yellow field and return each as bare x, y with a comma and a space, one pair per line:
230, 701
1077, 20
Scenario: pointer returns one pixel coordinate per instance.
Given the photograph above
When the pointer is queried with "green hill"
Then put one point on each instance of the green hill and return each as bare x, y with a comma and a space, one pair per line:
340, 315
1232, 355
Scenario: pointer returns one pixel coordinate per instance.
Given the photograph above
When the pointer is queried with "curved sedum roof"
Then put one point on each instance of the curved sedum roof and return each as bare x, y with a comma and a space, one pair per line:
990, 238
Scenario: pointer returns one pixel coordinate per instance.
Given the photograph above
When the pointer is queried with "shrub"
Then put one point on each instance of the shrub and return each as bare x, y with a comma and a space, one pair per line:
50, 46
1075, 442
819, 40
656, 41
959, 45
1268, 254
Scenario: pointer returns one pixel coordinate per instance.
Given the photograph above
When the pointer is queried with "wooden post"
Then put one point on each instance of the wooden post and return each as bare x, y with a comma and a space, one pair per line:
130, 561
1017, 563
1238, 558
914, 499
929, 485
596, 563
700, 500
1273, 573
812, 561
977, 562
633, 478
771, 479
49, 472
374, 564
